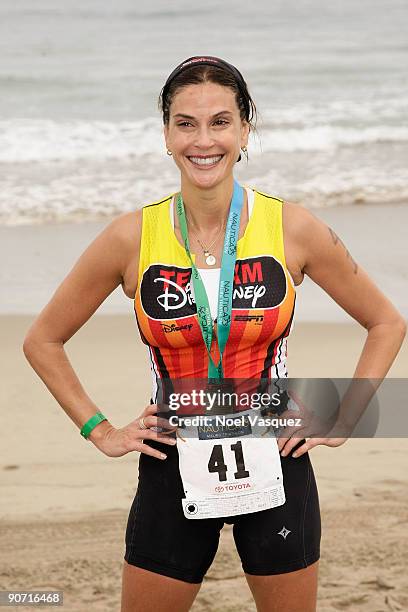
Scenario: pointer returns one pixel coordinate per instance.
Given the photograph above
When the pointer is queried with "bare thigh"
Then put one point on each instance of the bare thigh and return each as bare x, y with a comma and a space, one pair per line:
144, 591
291, 592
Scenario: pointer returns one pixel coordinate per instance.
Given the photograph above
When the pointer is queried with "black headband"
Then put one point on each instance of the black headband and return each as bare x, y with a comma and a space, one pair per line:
210, 60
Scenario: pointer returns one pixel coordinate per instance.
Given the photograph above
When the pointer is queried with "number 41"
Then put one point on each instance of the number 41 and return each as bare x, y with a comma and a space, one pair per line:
217, 463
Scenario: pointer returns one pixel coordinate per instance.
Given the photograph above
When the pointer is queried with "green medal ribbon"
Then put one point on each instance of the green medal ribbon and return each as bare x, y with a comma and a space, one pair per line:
226, 280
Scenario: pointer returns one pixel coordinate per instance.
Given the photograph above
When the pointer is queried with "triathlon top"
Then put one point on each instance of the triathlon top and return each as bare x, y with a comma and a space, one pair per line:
263, 300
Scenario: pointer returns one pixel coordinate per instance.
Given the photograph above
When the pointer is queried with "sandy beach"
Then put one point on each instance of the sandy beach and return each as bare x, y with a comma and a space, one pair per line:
64, 505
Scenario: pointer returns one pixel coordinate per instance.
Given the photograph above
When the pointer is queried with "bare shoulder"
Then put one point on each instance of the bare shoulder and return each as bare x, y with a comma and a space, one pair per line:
296, 224
297, 218
305, 232
125, 234
128, 229
323, 256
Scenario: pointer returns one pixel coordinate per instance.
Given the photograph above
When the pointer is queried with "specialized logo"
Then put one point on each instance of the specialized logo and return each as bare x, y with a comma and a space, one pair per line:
284, 532
259, 282
173, 327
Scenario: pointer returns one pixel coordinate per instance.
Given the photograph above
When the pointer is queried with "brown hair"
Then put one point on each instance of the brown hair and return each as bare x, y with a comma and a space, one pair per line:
222, 74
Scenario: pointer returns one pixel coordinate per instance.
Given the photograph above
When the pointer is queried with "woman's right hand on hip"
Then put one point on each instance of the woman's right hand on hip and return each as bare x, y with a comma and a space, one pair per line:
118, 442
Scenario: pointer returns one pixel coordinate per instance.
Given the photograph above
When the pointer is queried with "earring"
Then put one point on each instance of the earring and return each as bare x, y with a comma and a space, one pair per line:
169, 152
244, 149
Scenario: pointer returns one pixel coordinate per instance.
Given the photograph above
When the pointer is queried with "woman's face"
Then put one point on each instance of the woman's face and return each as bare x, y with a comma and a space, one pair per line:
205, 133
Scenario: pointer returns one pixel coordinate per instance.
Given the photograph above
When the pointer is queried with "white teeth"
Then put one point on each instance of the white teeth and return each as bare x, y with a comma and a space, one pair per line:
205, 161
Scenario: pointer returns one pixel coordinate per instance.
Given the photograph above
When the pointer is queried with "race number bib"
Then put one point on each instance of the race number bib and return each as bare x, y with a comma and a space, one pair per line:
228, 467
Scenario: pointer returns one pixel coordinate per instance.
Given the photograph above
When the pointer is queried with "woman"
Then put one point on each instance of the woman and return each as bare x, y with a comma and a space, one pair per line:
207, 115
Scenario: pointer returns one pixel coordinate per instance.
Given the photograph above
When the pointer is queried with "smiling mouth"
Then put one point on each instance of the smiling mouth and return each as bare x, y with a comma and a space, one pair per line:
205, 162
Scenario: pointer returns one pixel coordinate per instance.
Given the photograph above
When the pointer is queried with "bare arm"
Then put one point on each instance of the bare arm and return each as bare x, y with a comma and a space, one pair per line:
326, 260
95, 275
98, 271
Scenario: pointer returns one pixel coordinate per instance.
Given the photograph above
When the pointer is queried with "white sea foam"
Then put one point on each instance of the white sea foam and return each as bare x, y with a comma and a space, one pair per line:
23, 140
338, 153
299, 127
341, 188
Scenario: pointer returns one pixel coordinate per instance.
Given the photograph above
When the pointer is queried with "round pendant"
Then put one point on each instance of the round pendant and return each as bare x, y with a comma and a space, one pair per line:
210, 260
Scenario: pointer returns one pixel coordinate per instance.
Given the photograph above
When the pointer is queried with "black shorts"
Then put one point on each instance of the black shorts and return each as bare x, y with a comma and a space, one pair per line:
159, 538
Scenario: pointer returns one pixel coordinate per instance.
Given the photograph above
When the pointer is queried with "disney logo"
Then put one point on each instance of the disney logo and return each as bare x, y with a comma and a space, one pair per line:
173, 327
173, 301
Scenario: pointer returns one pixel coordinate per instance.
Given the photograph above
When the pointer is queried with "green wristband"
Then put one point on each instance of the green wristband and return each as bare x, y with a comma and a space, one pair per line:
91, 424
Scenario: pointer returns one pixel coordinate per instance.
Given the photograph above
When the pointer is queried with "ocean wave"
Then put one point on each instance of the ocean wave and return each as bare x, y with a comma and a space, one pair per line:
87, 192
327, 188
380, 109
298, 128
23, 140
329, 138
